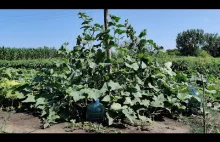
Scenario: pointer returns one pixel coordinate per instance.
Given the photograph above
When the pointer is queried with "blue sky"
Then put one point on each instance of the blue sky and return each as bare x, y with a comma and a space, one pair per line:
38, 28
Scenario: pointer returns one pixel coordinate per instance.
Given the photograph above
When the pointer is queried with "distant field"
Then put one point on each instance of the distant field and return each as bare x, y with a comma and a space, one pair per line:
8, 53
35, 63
189, 59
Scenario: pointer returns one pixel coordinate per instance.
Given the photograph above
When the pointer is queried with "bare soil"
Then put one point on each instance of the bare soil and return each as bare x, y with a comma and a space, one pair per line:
212, 122
23, 123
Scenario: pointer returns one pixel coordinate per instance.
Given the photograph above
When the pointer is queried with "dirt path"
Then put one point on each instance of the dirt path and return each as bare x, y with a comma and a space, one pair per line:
24, 123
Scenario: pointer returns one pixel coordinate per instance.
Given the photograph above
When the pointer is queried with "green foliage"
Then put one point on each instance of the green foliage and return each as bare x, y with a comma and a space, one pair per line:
191, 65
161, 54
191, 41
10, 83
173, 52
180, 66
7, 53
34, 64
136, 89
188, 42
212, 44
180, 77
203, 53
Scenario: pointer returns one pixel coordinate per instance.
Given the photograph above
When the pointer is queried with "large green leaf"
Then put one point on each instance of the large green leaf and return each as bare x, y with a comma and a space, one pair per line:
133, 66
110, 119
145, 102
53, 116
130, 114
92, 93
77, 95
158, 101
92, 65
143, 65
137, 87
104, 88
197, 98
179, 106
168, 69
154, 88
42, 107
106, 98
168, 65
137, 94
8, 72
128, 101
115, 106
136, 100
114, 85
171, 100
30, 99
40, 101
139, 81
19, 95
43, 113
10, 95
183, 96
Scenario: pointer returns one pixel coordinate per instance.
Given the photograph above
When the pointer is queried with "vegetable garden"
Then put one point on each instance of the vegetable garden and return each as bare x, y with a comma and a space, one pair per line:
138, 90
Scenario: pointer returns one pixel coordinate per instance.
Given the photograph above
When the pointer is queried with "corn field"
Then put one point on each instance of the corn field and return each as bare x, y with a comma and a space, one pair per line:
7, 53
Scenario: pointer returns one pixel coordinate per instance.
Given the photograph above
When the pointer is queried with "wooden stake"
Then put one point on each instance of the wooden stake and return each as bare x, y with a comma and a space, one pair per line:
106, 27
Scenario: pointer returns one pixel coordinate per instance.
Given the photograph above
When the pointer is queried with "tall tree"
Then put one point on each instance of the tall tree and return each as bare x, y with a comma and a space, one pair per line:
212, 44
188, 42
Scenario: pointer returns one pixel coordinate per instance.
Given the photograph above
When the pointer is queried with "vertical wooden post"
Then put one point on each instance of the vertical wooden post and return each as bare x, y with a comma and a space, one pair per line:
106, 18
106, 27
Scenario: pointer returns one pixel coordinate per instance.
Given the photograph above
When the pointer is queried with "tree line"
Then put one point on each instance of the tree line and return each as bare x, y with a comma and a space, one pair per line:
194, 41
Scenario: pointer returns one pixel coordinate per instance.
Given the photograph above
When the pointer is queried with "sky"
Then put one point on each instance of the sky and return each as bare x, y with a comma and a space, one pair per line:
51, 28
